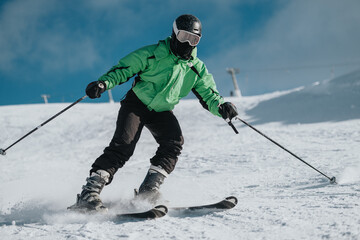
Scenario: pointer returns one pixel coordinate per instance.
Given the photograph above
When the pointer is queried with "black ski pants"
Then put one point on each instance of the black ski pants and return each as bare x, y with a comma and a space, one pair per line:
133, 116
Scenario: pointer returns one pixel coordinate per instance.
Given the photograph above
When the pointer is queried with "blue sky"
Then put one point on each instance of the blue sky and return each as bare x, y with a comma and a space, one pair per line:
57, 47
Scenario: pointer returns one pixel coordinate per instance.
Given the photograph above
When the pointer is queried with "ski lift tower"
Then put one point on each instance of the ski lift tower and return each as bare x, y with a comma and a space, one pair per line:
234, 71
45, 97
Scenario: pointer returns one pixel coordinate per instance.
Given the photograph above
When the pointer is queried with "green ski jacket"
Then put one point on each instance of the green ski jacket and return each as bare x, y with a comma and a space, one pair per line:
163, 78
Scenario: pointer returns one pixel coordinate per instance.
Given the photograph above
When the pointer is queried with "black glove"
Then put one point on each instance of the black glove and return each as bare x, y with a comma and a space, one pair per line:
228, 110
95, 89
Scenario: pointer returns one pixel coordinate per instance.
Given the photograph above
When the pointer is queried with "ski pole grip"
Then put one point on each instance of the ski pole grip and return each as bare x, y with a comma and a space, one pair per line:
231, 125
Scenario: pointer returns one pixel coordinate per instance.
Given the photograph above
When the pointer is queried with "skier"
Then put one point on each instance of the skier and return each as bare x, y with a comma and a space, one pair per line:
166, 72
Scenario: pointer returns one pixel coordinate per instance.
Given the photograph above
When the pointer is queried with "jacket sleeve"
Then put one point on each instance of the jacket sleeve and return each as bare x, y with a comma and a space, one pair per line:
127, 67
205, 90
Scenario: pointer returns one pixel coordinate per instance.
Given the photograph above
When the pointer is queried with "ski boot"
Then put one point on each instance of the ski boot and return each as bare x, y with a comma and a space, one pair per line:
149, 189
89, 199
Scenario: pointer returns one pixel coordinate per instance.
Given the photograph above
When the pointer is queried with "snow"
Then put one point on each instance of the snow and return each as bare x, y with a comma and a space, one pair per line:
329, 100
279, 196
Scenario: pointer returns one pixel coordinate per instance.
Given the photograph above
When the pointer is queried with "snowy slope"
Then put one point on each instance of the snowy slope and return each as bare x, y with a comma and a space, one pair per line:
279, 197
337, 99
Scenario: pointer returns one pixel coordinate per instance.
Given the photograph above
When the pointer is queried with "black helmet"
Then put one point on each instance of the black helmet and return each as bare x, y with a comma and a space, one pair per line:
186, 34
189, 23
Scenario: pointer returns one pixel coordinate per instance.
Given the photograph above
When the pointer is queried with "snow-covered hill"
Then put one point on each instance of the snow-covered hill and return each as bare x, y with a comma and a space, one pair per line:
330, 100
279, 197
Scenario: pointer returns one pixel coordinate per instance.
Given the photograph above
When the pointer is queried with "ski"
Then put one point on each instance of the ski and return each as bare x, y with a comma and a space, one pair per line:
161, 210
227, 203
156, 212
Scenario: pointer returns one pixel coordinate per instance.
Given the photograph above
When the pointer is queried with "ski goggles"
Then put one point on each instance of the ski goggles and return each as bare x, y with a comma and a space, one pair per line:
185, 36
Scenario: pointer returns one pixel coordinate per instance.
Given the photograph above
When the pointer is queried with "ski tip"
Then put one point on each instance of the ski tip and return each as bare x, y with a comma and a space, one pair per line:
232, 200
162, 208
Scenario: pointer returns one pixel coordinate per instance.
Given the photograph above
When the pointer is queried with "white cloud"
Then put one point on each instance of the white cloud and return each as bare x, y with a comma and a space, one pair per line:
61, 36
314, 30
16, 28
307, 32
27, 35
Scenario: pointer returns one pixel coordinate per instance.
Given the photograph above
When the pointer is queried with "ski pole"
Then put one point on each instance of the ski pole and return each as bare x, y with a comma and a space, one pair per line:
231, 125
332, 179
3, 151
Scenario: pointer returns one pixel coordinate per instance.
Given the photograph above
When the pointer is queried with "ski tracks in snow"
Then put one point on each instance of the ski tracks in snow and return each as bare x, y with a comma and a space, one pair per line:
279, 197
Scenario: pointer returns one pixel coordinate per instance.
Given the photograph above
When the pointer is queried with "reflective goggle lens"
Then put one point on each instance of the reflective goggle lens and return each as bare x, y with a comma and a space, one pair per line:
185, 36
191, 38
